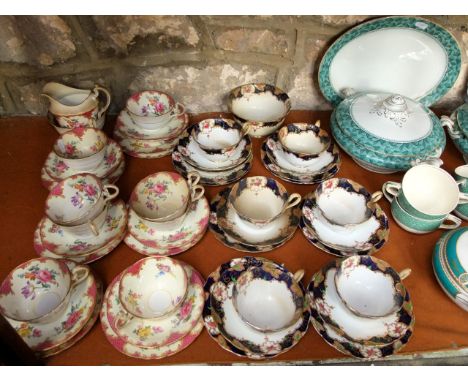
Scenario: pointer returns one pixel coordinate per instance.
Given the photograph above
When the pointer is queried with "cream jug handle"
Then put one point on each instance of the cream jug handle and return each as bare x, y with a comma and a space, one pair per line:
108, 99
390, 190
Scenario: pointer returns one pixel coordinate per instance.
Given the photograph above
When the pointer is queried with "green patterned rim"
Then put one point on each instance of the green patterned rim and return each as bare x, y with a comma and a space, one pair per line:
444, 38
462, 119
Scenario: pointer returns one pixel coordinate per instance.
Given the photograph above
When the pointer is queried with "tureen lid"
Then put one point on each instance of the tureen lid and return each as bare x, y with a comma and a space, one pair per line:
456, 254
391, 124
403, 55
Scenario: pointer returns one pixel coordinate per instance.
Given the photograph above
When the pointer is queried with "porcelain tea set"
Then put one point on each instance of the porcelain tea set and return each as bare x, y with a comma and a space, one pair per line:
83, 150
255, 307
83, 220
70, 107
150, 125
153, 309
50, 303
167, 214
218, 149
301, 153
256, 214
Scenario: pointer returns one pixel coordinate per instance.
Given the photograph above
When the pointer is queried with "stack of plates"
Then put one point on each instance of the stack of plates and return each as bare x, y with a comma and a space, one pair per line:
143, 142
52, 241
189, 156
74, 323
159, 338
279, 162
228, 227
349, 333
109, 170
226, 326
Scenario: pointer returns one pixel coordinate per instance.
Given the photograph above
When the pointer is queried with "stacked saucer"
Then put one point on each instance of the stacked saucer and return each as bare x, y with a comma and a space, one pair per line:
360, 307
255, 215
342, 218
217, 149
301, 153
153, 308
167, 214
255, 308
51, 304
82, 220
259, 107
150, 125
83, 150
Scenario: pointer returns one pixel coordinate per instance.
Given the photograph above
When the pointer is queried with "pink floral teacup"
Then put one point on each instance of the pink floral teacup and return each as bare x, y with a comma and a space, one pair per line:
151, 288
153, 109
78, 199
165, 197
39, 290
81, 149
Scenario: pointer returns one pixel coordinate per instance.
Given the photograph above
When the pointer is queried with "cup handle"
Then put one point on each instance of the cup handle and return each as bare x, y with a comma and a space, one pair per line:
463, 198
197, 192
455, 220
299, 275
245, 130
108, 99
177, 110
193, 178
93, 228
293, 200
390, 190
375, 197
404, 273
79, 274
108, 195
122, 319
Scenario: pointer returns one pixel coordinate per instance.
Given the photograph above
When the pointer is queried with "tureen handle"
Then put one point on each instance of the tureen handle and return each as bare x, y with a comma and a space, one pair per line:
448, 123
404, 273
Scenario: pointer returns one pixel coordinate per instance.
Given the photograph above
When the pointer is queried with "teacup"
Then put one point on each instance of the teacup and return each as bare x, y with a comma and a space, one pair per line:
153, 109
268, 298
78, 199
81, 149
415, 224
461, 176
344, 202
218, 135
304, 141
39, 290
165, 196
151, 288
370, 287
260, 200
426, 192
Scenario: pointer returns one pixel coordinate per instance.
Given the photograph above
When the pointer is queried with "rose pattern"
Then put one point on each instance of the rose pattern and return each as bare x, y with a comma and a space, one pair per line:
322, 307
211, 326
26, 330
396, 329
219, 291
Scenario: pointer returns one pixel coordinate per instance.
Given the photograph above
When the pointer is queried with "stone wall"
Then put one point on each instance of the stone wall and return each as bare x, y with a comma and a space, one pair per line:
197, 59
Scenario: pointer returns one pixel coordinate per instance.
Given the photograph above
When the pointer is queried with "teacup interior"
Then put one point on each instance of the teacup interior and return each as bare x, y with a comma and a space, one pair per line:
258, 204
259, 107
266, 305
367, 292
430, 190
306, 142
343, 207
217, 138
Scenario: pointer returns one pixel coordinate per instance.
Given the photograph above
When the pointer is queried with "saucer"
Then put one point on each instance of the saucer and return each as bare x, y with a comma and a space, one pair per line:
354, 349
213, 178
229, 241
43, 337
63, 243
276, 232
127, 127
294, 177
58, 170
151, 235
87, 258
49, 183
84, 331
163, 331
362, 237
362, 330
130, 350
225, 319
143, 148
196, 157
274, 150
